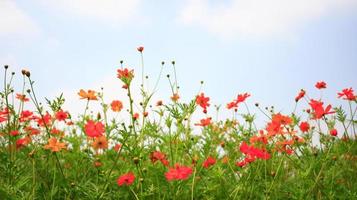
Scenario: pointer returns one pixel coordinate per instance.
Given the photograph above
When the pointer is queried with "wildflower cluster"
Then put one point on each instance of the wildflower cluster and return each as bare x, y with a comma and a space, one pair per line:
173, 149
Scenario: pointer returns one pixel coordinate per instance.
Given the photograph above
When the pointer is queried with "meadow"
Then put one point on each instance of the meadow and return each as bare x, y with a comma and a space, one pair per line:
152, 152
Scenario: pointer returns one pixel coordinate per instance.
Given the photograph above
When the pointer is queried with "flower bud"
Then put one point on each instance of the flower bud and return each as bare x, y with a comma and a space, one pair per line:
136, 160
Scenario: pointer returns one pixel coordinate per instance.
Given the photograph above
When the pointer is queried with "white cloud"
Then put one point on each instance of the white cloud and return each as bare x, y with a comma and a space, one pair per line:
257, 17
14, 21
111, 11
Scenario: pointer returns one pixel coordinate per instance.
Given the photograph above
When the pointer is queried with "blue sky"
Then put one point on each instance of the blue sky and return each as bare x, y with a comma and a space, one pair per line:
270, 48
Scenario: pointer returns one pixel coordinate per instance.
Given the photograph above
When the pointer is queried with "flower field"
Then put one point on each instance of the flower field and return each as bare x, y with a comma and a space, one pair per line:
152, 151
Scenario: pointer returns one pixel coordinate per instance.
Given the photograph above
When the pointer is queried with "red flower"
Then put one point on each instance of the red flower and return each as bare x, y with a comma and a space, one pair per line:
117, 147
253, 152
304, 127
136, 116
158, 156
61, 115
32, 131
241, 163
25, 115
300, 95
4, 115
333, 132
93, 129
2, 119
14, 133
320, 85
232, 104
319, 110
178, 173
242, 97
116, 105
204, 122
45, 120
209, 162
22, 142
125, 73
55, 131
140, 49
259, 138
348, 93
202, 101
126, 179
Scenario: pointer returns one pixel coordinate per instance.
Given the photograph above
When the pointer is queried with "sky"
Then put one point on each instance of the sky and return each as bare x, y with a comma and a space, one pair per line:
270, 48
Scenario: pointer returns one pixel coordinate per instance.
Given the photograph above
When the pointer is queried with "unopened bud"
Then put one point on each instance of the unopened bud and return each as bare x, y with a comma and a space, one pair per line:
136, 160
28, 74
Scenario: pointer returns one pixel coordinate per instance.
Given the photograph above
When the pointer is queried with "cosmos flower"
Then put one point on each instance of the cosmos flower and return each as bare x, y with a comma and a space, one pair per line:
126, 179
94, 129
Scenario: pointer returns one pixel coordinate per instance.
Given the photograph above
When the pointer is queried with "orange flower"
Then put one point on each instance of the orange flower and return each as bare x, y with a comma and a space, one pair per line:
55, 145
175, 97
97, 164
202, 101
204, 122
282, 119
90, 95
100, 143
225, 160
116, 105
22, 97
125, 75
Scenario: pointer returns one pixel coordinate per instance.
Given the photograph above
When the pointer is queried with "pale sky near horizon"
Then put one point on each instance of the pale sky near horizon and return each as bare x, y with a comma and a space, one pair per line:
270, 48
